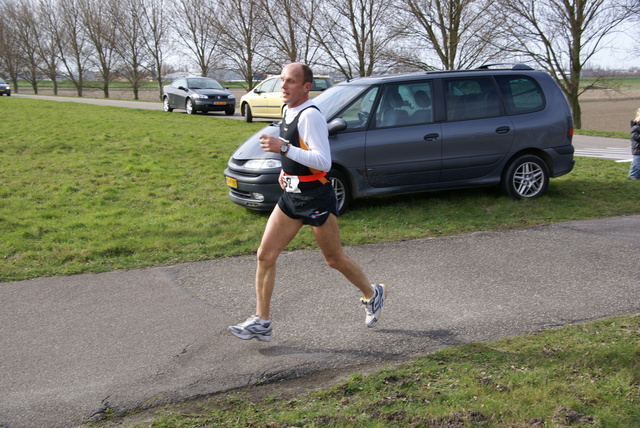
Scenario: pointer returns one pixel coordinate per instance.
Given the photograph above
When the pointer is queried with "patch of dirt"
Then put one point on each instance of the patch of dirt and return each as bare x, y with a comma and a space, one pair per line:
606, 110
608, 115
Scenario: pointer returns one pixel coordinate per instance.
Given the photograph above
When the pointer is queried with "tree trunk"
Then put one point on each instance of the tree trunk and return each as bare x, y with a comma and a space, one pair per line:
576, 112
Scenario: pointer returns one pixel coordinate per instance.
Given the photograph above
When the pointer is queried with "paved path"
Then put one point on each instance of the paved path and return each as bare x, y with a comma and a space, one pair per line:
73, 348
618, 149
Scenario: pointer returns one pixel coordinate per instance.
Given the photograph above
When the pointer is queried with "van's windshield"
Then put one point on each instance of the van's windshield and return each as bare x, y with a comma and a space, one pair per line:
336, 98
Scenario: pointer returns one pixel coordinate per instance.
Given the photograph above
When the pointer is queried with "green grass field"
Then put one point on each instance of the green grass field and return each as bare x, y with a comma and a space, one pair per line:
578, 376
90, 189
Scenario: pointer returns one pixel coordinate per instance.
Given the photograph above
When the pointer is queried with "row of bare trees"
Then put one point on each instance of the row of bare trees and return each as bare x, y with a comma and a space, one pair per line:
135, 39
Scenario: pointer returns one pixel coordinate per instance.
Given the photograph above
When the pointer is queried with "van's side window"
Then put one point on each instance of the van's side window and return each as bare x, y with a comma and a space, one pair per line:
521, 94
405, 104
357, 114
474, 98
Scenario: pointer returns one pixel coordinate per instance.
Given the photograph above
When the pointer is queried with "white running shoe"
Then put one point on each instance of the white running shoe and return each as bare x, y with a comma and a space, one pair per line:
252, 327
375, 305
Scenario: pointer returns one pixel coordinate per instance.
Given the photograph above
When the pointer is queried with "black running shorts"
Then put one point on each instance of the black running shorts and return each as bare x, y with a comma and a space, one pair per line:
311, 206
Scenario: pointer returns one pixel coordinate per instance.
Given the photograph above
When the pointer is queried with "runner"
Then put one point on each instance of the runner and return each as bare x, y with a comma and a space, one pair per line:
308, 198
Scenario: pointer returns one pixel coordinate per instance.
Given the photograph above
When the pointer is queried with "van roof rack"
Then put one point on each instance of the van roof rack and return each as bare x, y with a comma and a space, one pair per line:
512, 66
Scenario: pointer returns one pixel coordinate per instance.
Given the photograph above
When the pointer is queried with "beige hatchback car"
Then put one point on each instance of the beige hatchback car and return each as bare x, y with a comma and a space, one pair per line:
265, 100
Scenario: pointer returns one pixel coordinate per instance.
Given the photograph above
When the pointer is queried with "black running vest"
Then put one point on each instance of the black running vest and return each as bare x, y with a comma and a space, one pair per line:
289, 132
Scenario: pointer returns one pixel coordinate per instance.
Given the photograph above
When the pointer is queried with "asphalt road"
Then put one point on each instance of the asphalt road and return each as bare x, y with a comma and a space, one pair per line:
73, 349
76, 348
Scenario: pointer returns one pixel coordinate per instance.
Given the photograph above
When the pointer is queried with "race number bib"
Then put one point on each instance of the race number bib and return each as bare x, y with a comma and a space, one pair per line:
291, 183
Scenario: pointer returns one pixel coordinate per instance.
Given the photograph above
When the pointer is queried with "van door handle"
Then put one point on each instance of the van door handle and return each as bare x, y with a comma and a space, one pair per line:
431, 137
503, 129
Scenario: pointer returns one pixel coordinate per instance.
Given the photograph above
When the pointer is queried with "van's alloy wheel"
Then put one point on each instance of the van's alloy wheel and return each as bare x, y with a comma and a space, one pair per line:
526, 177
342, 189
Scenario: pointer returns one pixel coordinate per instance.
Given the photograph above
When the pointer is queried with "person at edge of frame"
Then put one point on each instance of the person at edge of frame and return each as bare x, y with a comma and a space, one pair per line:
634, 170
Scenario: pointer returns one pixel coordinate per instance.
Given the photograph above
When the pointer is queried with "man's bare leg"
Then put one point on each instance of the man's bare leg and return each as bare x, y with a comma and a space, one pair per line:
328, 238
280, 230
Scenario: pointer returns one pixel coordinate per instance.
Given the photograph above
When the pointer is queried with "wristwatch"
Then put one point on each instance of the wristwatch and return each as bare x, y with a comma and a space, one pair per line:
284, 148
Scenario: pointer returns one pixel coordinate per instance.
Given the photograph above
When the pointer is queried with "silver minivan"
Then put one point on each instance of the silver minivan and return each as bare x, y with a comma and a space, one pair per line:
428, 131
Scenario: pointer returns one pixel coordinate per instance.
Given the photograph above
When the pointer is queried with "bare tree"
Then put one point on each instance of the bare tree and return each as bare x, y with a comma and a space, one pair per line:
245, 19
130, 43
72, 42
199, 33
102, 34
290, 38
9, 49
46, 14
156, 37
448, 34
25, 30
354, 34
561, 36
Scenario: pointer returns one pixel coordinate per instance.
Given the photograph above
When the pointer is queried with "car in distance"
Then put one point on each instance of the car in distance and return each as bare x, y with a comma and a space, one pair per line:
424, 131
5, 89
266, 100
198, 94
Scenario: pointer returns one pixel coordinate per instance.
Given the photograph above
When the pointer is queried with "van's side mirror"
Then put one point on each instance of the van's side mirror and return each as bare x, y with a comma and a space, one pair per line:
337, 125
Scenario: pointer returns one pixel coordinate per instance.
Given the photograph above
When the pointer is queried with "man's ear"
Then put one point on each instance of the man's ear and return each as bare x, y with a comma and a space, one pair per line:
307, 86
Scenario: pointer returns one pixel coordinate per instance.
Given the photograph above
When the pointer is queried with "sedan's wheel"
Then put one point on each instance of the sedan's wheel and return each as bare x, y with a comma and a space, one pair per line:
527, 177
189, 107
248, 116
165, 105
341, 187
230, 111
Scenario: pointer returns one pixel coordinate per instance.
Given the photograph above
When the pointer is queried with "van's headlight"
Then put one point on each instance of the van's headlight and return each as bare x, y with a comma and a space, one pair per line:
263, 164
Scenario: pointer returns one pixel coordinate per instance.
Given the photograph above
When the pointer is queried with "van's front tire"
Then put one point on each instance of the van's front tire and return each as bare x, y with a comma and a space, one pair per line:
342, 188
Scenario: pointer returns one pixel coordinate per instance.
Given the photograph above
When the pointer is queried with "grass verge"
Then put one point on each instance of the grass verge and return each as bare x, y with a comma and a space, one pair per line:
581, 375
91, 189
608, 134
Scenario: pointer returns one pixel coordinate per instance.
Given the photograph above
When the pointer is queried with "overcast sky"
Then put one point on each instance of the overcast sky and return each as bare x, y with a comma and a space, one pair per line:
619, 54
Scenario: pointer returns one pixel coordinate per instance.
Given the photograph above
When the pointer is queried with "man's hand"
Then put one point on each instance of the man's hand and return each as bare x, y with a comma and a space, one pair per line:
269, 143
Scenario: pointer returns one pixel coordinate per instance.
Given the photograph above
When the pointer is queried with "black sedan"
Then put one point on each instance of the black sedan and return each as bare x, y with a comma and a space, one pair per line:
4, 88
196, 94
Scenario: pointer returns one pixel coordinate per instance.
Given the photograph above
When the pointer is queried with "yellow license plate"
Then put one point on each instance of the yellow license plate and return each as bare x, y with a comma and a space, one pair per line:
219, 103
232, 182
